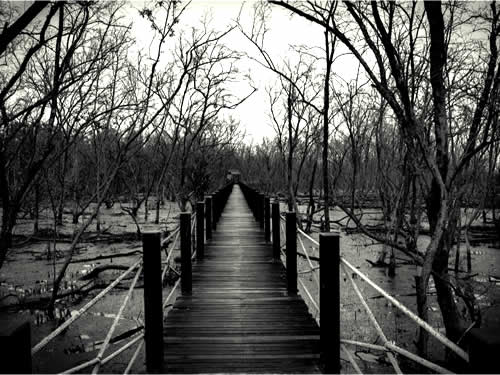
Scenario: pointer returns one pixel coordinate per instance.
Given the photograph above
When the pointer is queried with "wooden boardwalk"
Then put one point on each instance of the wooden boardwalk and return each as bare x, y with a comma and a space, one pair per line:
239, 318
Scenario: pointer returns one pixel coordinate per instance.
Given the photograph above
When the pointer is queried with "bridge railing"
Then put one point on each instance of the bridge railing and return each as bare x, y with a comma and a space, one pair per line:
191, 234
326, 302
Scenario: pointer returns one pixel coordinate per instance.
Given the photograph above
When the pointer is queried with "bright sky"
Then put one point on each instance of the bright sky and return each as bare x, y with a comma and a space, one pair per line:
283, 31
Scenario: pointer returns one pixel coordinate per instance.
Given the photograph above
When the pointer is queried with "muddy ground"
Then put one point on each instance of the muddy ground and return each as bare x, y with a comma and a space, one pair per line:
29, 271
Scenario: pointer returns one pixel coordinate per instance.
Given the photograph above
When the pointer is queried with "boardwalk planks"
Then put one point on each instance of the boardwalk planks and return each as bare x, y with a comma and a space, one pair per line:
240, 318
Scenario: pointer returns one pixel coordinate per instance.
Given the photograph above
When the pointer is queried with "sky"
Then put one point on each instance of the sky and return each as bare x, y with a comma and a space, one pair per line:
284, 31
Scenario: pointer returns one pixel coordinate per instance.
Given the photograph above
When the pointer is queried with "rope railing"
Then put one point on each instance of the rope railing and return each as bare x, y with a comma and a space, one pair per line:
211, 210
391, 347
80, 312
172, 291
105, 344
105, 360
167, 262
133, 358
99, 360
388, 347
177, 283
174, 232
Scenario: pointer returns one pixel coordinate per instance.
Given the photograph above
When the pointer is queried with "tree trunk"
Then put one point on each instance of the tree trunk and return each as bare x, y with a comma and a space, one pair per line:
467, 246
157, 217
311, 207
5, 243
452, 318
291, 197
76, 239
8, 223
98, 222
37, 209
423, 337
59, 216
457, 240
392, 265
326, 121
442, 218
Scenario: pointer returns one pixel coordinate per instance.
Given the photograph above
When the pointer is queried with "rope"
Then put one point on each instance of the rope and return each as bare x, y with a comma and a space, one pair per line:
107, 359
79, 313
98, 361
176, 230
351, 359
134, 357
381, 334
444, 340
167, 265
115, 322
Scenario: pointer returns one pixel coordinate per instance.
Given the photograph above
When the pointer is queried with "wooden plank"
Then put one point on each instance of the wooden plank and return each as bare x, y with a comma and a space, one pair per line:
238, 339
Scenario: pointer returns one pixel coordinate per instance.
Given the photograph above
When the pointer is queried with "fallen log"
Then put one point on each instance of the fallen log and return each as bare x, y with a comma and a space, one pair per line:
40, 302
101, 257
97, 270
378, 263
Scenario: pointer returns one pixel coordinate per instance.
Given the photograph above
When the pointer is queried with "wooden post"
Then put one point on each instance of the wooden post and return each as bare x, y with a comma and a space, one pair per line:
186, 282
200, 230
208, 216
254, 207
484, 346
276, 230
153, 300
291, 252
261, 210
267, 220
15, 345
215, 209
329, 297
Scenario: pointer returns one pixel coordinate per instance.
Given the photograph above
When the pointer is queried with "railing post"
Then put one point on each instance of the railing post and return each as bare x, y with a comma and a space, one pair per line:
15, 345
153, 309
208, 216
276, 230
484, 345
267, 219
261, 210
200, 230
291, 252
215, 209
186, 282
255, 206
329, 297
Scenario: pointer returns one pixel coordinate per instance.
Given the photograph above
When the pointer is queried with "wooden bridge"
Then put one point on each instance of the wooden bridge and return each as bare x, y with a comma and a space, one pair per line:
239, 311
240, 316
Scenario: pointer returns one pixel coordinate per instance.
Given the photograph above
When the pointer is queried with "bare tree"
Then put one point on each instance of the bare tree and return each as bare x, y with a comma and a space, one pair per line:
397, 74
